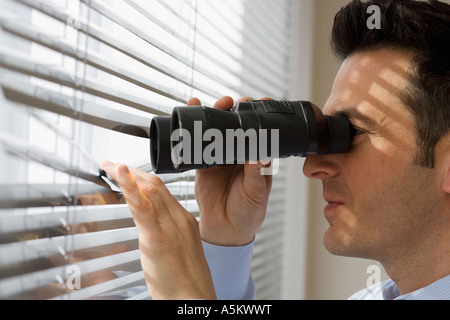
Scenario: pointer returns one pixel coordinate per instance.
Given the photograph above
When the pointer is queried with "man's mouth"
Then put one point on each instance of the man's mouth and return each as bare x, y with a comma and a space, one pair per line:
332, 203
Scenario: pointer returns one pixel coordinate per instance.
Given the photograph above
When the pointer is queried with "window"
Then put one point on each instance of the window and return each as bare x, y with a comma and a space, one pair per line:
80, 82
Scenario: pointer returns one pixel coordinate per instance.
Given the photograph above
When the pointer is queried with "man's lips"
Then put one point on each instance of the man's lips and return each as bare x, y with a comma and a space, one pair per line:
333, 203
331, 199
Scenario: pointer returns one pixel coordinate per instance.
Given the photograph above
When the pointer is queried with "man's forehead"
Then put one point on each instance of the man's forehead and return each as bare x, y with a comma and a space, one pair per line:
368, 84
380, 61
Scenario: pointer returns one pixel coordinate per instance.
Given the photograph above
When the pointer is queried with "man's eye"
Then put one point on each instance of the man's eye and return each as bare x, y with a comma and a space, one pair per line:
356, 131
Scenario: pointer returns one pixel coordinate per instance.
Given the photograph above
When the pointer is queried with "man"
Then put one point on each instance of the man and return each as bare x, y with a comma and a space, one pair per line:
388, 196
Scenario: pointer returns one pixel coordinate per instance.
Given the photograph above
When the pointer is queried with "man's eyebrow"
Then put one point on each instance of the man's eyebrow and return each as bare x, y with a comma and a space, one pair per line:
355, 114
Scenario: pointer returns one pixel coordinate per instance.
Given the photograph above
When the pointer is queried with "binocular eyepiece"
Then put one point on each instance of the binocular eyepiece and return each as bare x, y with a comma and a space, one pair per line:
198, 137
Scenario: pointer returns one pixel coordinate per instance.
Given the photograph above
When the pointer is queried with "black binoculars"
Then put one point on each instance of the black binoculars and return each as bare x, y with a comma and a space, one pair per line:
198, 137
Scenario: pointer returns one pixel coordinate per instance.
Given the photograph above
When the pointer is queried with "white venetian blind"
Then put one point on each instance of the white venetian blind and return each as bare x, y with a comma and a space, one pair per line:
80, 81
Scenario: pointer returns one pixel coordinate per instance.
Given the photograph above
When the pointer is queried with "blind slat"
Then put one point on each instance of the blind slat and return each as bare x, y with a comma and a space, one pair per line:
96, 61
199, 49
141, 296
16, 285
264, 49
107, 12
20, 252
64, 17
23, 92
92, 291
17, 62
28, 151
114, 16
28, 219
35, 195
57, 194
100, 35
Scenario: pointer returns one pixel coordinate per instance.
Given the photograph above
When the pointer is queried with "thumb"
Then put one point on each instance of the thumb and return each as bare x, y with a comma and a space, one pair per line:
256, 184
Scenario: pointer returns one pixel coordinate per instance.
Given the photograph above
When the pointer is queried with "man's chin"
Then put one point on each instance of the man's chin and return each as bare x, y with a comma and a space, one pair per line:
340, 245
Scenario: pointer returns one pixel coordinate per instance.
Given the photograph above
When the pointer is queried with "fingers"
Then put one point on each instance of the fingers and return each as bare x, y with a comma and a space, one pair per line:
255, 183
243, 99
147, 197
194, 102
137, 201
158, 194
224, 103
145, 193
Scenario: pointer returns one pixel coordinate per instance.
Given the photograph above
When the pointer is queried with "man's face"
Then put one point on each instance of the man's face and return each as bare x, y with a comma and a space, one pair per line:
379, 202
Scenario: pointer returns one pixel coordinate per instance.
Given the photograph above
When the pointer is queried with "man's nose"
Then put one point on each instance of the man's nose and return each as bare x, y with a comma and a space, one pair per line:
320, 167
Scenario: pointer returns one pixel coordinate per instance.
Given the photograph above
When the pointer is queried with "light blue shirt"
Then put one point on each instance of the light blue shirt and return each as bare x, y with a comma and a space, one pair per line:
230, 270
387, 290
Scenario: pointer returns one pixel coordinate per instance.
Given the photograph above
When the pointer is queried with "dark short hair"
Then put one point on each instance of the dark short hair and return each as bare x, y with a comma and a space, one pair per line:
423, 28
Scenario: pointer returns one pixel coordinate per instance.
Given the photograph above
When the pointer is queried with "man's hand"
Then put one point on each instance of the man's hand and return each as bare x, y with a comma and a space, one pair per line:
172, 255
232, 199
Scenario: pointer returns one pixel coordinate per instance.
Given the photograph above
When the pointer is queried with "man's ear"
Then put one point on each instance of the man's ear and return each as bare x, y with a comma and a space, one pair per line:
446, 182
446, 164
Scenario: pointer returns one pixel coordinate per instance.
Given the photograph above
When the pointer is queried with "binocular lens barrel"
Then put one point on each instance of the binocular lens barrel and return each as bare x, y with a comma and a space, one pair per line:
201, 137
